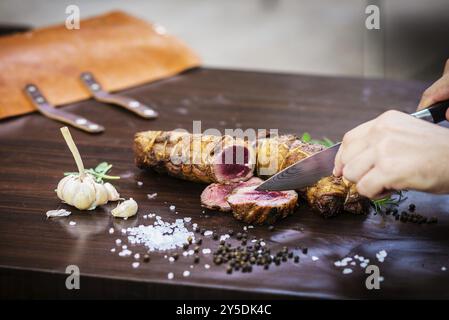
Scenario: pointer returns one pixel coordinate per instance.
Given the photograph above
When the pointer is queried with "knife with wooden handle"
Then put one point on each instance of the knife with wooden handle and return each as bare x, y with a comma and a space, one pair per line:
310, 170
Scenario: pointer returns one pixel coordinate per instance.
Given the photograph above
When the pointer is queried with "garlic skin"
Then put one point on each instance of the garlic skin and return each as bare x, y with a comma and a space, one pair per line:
85, 194
126, 209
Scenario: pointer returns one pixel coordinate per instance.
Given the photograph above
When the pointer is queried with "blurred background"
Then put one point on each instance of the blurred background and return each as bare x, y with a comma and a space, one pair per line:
325, 37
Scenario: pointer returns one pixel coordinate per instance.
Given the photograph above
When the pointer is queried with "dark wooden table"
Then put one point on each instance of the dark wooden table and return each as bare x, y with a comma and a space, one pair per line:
35, 251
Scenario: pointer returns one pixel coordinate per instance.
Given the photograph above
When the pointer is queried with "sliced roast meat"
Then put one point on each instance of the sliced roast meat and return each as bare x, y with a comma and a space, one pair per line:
215, 194
260, 207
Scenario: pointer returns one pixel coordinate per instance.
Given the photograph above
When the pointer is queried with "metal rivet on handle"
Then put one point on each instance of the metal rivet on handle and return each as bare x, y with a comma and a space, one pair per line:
134, 104
81, 121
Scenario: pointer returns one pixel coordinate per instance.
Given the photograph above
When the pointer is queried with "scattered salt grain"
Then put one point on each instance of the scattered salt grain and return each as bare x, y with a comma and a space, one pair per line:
363, 265
172, 208
111, 230
137, 256
206, 266
353, 263
160, 235
124, 247
171, 259
113, 250
187, 219
58, 213
224, 237
208, 233
72, 223
145, 216
118, 241
315, 258
139, 183
186, 273
170, 275
152, 196
443, 268
135, 265
207, 251
347, 271
250, 227
125, 253
381, 279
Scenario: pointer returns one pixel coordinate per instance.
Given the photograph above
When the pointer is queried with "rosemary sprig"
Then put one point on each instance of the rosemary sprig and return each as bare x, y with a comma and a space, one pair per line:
306, 137
99, 172
388, 202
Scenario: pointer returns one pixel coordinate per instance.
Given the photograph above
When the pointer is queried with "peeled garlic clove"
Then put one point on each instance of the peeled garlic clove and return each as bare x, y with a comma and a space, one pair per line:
113, 195
125, 209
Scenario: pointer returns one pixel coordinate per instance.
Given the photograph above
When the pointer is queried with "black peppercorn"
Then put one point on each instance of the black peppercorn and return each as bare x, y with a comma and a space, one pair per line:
411, 207
196, 259
146, 258
305, 250
296, 259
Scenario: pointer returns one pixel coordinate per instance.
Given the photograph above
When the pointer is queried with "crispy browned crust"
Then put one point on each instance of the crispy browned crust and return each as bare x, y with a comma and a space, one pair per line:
329, 196
254, 213
154, 149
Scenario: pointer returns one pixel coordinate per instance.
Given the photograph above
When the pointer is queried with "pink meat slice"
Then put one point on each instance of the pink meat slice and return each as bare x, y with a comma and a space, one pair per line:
215, 195
260, 207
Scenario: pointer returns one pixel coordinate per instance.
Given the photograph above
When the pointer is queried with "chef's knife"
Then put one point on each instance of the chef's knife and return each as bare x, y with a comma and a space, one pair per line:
308, 171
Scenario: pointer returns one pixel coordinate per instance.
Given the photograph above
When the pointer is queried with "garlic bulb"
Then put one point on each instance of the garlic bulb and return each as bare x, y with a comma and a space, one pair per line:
125, 209
81, 190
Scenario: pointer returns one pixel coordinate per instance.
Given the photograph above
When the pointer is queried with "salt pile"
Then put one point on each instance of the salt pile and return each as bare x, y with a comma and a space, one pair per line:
161, 235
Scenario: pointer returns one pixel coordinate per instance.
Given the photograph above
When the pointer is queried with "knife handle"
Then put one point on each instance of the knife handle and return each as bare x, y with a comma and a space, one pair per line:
435, 113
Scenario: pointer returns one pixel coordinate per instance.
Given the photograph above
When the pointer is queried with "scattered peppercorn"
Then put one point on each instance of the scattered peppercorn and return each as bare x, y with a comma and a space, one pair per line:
296, 259
196, 259
146, 258
305, 250
411, 207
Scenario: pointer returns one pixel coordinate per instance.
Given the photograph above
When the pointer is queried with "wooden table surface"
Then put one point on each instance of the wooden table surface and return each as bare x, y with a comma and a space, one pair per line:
35, 251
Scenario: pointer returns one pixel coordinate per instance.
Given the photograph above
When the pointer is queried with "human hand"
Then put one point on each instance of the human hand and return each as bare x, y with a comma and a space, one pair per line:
438, 91
395, 151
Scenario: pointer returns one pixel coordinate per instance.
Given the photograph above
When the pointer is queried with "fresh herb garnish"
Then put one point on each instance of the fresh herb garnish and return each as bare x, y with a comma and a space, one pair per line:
388, 202
306, 137
99, 172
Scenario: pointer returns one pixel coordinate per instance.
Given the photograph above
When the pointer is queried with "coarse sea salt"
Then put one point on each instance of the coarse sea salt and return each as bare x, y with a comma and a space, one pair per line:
160, 235
315, 258
170, 275
172, 208
206, 266
111, 230
347, 271
207, 251
135, 265
58, 213
208, 233
443, 268
72, 223
152, 196
186, 273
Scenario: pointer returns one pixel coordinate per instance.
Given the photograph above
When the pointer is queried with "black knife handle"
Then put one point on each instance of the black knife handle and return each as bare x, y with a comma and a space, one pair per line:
435, 113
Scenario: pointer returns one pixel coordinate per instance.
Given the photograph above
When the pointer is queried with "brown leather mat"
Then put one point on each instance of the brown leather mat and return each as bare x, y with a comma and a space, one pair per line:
120, 50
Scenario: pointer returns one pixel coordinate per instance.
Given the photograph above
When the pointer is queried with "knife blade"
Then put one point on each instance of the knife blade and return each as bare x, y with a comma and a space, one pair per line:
308, 171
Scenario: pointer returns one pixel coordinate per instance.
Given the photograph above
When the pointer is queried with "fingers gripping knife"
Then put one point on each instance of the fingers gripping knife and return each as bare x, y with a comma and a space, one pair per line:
308, 171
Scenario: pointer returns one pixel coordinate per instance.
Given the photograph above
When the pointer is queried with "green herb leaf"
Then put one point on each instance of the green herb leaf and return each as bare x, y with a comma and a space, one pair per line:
390, 201
99, 173
306, 137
